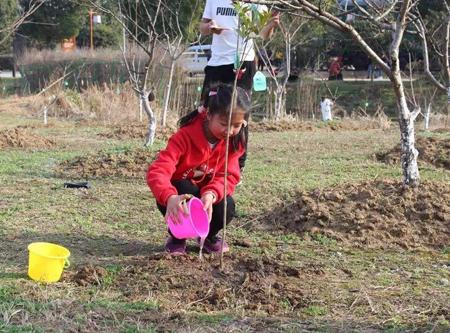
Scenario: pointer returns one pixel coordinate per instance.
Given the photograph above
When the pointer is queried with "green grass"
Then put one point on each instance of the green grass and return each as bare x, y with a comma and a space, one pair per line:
315, 311
9, 86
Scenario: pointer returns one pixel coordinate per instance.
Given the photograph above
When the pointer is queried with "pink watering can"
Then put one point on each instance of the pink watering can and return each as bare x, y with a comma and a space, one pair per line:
194, 224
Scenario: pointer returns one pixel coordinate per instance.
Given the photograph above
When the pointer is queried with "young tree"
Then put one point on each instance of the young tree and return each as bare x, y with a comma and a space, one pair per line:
289, 27
140, 25
434, 32
175, 39
381, 15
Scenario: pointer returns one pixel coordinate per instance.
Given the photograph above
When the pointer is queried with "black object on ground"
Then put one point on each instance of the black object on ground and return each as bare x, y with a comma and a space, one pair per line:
77, 185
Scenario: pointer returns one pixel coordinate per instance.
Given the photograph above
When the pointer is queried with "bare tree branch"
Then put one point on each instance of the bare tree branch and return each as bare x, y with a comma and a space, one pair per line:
9, 30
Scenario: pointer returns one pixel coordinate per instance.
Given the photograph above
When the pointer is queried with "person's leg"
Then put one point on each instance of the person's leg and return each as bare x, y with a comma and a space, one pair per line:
217, 216
213, 243
247, 83
209, 76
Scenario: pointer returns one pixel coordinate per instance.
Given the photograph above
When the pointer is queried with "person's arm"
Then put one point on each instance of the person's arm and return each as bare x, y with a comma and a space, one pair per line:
205, 25
267, 31
208, 27
160, 172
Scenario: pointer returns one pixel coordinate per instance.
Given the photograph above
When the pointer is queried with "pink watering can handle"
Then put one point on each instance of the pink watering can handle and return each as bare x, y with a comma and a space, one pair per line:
184, 203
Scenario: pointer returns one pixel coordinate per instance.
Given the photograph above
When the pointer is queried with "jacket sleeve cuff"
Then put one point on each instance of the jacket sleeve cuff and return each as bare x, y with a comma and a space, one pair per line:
166, 197
214, 192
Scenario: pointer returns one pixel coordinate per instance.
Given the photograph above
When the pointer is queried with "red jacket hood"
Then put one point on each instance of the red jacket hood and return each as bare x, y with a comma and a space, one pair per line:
187, 154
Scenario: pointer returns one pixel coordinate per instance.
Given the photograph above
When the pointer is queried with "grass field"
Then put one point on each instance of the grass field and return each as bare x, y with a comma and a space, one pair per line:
116, 225
9, 86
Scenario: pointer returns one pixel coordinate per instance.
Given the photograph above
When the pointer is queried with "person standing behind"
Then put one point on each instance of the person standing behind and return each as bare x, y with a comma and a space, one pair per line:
221, 20
334, 70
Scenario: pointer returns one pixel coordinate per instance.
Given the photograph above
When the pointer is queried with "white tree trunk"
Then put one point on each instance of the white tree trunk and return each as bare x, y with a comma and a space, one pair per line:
143, 96
411, 176
141, 108
45, 115
280, 102
448, 104
406, 120
168, 92
427, 116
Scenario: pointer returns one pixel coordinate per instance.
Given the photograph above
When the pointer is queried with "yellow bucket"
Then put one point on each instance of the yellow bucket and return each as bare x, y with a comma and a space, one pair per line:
47, 261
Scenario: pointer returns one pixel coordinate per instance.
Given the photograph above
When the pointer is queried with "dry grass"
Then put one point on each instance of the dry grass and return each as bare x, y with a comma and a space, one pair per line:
102, 104
33, 56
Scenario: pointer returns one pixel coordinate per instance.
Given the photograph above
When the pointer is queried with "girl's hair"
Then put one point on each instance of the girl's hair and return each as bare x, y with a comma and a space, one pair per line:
219, 102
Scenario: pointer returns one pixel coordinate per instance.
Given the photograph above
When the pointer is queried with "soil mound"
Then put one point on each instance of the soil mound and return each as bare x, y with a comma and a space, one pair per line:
432, 150
335, 125
442, 130
376, 214
20, 137
89, 275
130, 163
253, 284
137, 132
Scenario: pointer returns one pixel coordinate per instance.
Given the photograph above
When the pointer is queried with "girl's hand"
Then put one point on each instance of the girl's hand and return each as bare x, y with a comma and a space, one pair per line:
208, 199
175, 204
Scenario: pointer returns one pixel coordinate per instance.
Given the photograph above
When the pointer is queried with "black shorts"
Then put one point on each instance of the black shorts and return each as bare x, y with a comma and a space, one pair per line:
226, 74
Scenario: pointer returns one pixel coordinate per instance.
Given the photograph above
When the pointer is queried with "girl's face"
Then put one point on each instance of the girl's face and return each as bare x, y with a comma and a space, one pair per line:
218, 124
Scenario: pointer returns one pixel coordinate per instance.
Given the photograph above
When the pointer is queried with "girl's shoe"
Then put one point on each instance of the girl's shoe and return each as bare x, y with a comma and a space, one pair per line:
176, 247
215, 245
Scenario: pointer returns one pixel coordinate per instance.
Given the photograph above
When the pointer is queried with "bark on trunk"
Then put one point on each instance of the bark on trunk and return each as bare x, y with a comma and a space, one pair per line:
141, 108
411, 176
279, 102
406, 119
427, 116
151, 118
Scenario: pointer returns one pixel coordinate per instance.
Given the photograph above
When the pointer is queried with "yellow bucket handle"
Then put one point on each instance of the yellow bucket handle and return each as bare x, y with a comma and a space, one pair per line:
66, 263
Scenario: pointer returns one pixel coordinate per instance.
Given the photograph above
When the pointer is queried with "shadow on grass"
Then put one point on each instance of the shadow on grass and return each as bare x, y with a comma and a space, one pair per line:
84, 249
12, 276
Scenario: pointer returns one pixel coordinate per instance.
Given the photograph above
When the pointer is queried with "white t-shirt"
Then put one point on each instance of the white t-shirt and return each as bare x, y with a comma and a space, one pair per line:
325, 108
223, 48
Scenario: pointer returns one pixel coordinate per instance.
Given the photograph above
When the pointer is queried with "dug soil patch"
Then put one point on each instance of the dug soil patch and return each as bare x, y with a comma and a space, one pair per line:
377, 214
131, 163
432, 150
137, 132
252, 284
21, 138
89, 275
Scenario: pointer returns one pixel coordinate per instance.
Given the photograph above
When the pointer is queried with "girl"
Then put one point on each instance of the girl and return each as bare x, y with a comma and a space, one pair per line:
193, 163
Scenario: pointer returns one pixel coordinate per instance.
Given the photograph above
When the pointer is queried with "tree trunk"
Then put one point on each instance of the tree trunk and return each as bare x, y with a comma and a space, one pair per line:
168, 92
279, 102
406, 120
448, 105
45, 115
143, 96
141, 108
409, 153
427, 116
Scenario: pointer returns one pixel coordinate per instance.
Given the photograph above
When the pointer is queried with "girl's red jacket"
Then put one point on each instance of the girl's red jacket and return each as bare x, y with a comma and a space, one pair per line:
188, 155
